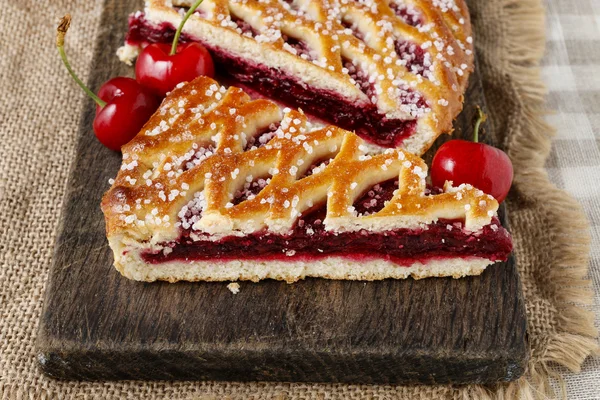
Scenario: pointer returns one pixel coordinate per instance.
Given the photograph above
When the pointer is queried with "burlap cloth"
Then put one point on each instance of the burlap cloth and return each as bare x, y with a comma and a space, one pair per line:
39, 114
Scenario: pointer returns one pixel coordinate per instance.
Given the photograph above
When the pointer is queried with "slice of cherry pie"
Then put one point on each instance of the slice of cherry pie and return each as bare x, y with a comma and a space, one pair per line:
393, 71
218, 186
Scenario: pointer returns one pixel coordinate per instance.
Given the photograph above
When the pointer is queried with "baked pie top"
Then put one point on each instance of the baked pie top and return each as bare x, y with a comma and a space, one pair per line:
409, 58
206, 144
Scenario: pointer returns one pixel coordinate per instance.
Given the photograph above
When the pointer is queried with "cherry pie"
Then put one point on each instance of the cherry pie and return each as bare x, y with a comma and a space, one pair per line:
218, 186
392, 71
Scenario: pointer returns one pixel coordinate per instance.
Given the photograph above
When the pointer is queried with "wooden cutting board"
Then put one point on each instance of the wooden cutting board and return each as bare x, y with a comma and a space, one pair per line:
98, 325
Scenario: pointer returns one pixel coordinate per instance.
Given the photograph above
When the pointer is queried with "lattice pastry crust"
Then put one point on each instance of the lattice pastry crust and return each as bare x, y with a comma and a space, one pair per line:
195, 143
369, 37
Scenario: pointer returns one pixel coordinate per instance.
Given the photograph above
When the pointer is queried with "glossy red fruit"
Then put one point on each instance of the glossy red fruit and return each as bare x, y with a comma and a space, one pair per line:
122, 105
128, 107
159, 71
483, 166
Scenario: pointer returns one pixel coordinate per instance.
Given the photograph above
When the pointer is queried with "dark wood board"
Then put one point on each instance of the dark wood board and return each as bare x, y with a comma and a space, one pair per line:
98, 325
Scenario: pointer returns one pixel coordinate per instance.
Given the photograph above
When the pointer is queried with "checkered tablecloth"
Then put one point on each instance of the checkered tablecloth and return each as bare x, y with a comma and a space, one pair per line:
571, 71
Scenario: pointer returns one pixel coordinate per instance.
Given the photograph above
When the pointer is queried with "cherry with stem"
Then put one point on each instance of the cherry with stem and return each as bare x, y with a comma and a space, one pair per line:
122, 105
161, 66
470, 162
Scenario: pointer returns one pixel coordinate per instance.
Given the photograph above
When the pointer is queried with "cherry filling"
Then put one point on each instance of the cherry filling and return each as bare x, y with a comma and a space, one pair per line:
407, 14
316, 167
354, 29
412, 56
142, 32
196, 156
374, 200
244, 28
444, 239
298, 47
251, 188
361, 117
361, 79
262, 137
310, 240
293, 7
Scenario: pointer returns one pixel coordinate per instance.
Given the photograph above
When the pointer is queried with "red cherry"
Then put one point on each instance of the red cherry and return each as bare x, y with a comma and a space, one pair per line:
128, 107
481, 165
122, 105
161, 67
160, 71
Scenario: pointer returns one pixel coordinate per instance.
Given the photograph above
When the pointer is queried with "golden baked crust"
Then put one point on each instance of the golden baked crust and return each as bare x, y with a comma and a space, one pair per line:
195, 144
441, 30
132, 266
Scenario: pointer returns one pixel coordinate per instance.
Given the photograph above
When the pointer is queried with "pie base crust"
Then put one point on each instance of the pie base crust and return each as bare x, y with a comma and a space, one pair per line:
132, 266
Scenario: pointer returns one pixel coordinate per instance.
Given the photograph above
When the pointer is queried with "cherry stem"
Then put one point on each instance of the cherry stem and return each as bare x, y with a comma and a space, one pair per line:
187, 15
61, 31
481, 117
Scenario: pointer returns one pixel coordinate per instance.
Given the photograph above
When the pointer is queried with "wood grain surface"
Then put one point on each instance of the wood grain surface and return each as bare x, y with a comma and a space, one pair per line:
98, 325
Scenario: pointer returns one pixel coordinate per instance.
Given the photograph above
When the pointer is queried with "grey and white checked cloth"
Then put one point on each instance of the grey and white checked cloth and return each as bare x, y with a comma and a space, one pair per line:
571, 71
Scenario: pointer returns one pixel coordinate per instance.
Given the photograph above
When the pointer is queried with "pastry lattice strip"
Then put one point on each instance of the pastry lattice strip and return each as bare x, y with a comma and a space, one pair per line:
197, 143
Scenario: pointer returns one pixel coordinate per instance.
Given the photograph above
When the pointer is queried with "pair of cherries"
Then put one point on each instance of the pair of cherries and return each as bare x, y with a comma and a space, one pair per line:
124, 105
